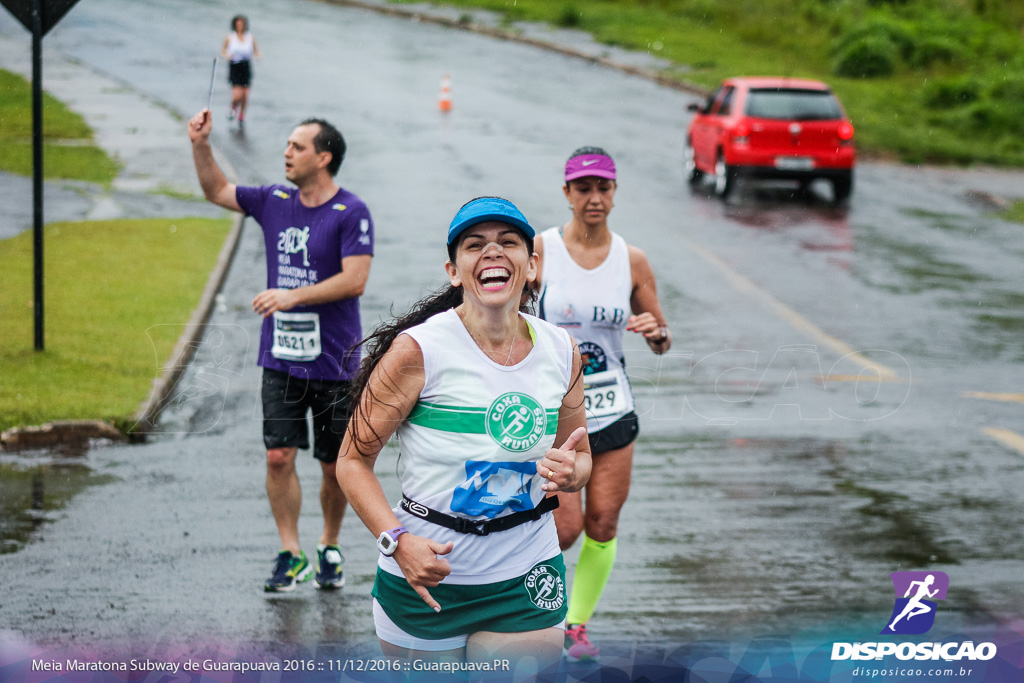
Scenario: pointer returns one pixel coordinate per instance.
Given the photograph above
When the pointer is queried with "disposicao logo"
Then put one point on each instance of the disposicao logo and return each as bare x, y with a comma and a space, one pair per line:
914, 611
913, 614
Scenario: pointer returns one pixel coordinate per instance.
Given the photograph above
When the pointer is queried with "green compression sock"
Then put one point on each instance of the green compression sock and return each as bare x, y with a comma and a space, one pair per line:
592, 570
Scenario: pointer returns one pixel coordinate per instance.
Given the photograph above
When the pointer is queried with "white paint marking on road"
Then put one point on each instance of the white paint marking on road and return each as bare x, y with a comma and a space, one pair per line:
800, 323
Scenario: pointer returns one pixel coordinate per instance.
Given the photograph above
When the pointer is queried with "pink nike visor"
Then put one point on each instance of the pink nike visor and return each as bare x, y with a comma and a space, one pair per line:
590, 165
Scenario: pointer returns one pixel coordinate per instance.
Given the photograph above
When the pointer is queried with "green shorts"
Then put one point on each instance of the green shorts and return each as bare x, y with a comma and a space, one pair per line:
536, 600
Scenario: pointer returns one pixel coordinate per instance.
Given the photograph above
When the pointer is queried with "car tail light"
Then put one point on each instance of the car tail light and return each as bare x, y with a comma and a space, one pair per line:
845, 132
740, 132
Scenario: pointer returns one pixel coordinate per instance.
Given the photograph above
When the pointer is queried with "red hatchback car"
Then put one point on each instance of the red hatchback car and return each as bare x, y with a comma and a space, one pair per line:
761, 127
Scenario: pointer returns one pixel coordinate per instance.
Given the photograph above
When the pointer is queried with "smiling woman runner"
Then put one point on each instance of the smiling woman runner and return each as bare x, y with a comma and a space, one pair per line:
479, 394
590, 281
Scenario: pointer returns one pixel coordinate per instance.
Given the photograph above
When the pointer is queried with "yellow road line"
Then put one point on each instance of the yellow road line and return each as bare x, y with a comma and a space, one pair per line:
743, 284
1010, 398
856, 378
1006, 437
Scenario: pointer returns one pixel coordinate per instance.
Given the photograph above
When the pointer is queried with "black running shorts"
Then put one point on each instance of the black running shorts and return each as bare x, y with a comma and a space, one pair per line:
618, 434
287, 399
240, 74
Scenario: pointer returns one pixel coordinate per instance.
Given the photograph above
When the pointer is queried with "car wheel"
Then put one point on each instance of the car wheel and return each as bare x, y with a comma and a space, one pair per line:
725, 178
842, 186
690, 171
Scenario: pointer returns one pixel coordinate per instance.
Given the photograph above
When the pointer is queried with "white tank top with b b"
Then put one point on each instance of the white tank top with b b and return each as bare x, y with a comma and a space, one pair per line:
593, 305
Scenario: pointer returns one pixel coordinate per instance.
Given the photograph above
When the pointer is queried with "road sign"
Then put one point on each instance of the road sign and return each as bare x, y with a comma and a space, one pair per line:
52, 10
38, 16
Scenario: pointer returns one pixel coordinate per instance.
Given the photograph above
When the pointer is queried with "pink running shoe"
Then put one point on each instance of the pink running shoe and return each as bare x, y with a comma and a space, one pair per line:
578, 646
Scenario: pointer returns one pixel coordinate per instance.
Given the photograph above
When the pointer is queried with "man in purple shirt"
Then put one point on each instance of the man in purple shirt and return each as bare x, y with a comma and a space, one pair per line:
319, 242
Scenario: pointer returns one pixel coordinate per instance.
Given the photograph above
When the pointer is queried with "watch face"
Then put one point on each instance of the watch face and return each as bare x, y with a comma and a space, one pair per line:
386, 542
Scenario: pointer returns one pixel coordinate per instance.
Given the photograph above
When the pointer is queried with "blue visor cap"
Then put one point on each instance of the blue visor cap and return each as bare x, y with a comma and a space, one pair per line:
488, 209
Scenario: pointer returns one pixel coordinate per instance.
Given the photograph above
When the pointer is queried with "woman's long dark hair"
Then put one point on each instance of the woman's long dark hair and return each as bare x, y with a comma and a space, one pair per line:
379, 342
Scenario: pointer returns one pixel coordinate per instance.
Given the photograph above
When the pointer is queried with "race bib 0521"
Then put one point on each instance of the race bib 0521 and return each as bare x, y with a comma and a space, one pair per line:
296, 336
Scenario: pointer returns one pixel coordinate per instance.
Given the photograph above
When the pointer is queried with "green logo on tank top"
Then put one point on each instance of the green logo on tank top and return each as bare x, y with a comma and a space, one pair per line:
545, 586
516, 421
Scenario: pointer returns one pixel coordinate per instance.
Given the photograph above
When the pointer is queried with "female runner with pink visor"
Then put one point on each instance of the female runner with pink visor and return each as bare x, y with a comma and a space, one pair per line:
597, 287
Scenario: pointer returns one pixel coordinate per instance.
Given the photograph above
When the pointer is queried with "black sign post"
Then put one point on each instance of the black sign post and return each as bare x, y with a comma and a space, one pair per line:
38, 16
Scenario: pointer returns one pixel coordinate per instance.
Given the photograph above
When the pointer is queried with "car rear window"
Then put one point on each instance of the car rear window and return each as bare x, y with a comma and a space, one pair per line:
801, 105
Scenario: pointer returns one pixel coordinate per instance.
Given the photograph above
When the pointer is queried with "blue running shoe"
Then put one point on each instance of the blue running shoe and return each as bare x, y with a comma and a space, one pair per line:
329, 562
289, 571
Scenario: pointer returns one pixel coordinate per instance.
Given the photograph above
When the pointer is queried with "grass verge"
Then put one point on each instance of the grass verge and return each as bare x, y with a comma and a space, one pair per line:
1015, 212
68, 151
112, 287
924, 81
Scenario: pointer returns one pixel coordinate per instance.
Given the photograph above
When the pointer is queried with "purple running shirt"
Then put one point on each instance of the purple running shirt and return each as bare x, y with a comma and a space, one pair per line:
305, 246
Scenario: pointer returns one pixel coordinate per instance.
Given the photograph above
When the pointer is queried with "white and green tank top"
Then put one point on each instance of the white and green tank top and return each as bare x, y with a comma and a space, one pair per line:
593, 305
469, 447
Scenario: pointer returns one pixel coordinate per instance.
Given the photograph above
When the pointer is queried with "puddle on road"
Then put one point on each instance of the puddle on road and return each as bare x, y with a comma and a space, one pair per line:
899, 267
901, 537
35, 486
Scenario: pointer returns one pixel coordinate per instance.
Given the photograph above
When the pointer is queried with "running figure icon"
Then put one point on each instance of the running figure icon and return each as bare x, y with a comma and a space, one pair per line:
914, 606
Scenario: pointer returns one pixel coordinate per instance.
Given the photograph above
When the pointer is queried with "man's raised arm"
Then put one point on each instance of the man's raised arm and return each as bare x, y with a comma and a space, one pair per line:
215, 185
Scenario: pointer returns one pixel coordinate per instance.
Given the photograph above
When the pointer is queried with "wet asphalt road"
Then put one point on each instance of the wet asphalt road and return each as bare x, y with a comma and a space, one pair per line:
773, 492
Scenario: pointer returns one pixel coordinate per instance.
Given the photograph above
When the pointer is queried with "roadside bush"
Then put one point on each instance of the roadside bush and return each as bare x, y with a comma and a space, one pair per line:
1002, 47
952, 93
985, 120
987, 116
867, 57
936, 49
896, 33
1010, 90
568, 17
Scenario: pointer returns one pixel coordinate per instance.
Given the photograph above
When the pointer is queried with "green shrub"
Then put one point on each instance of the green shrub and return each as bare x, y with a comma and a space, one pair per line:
896, 33
951, 93
985, 120
936, 49
1009, 90
1001, 47
867, 57
569, 17
987, 116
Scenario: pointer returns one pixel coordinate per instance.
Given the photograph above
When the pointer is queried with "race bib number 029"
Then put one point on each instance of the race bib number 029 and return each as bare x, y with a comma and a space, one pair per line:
603, 393
296, 336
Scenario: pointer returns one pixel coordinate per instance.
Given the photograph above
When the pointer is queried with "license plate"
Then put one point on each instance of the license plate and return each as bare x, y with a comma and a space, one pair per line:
794, 163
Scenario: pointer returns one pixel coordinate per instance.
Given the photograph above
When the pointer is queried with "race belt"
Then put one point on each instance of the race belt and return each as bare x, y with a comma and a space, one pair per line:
478, 527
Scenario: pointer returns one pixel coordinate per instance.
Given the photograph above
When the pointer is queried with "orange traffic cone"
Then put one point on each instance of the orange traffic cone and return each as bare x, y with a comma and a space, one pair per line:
444, 100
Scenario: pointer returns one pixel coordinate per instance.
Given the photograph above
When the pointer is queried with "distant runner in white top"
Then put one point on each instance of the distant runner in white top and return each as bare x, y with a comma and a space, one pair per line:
239, 49
597, 287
